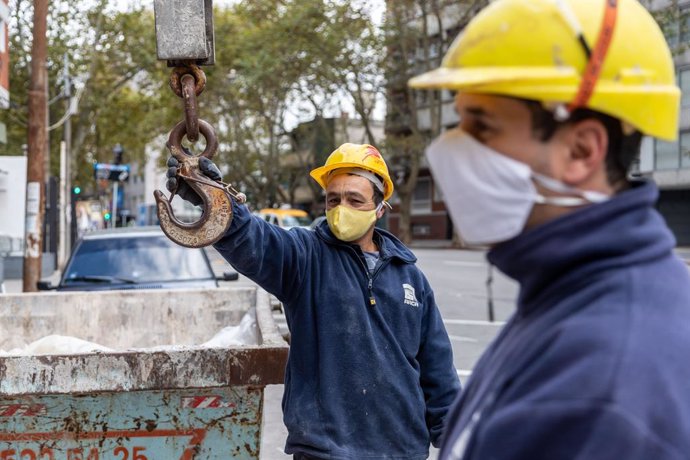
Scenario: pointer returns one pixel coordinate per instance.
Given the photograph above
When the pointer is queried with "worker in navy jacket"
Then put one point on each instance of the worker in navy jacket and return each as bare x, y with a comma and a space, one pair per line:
554, 98
370, 371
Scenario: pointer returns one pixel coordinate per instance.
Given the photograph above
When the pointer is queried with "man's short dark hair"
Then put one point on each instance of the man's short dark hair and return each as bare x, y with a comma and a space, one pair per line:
378, 194
622, 149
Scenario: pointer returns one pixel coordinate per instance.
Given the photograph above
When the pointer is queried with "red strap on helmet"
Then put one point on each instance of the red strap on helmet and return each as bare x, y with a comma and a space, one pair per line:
596, 60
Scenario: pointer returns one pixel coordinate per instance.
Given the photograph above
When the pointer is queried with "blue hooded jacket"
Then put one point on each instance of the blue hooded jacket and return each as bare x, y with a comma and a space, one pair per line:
370, 371
595, 363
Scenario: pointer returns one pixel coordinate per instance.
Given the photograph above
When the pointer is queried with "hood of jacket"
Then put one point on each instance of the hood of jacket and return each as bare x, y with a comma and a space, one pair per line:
619, 232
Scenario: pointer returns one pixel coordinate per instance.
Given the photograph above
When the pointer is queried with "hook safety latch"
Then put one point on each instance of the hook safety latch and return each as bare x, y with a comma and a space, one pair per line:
216, 202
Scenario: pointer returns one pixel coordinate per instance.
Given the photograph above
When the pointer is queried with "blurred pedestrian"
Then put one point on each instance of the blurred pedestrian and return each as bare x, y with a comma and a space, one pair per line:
554, 97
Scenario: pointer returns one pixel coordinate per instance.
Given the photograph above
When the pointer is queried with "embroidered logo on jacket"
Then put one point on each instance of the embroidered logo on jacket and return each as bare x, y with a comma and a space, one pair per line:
410, 298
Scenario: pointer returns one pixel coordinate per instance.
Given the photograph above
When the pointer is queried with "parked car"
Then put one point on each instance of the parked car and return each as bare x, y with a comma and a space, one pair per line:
135, 258
286, 218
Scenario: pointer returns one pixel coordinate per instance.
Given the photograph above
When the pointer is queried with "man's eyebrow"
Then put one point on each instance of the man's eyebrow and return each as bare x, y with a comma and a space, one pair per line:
477, 112
351, 193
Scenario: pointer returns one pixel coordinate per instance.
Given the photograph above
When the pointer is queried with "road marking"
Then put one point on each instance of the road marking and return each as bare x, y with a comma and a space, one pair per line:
464, 264
473, 322
462, 338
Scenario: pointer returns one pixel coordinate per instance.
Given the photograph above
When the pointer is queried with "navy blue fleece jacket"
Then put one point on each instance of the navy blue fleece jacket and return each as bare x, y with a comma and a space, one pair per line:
370, 372
595, 364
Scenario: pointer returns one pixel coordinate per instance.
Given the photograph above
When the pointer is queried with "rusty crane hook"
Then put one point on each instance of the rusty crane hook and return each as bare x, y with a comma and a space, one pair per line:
217, 205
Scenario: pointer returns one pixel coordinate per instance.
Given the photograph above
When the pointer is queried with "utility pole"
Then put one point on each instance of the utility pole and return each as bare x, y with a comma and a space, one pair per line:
37, 140
65, 214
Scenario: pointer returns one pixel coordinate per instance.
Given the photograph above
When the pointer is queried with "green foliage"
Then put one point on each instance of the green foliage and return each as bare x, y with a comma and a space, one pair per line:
112, 56
277, 61
674, 22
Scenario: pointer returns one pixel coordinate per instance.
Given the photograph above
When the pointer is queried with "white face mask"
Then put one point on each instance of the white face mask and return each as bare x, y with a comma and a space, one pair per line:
490, 195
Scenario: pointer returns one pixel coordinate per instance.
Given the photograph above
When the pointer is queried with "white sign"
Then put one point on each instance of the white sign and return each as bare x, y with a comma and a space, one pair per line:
13, 196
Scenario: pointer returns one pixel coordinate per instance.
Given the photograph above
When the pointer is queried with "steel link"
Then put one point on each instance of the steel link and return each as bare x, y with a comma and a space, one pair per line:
191, 115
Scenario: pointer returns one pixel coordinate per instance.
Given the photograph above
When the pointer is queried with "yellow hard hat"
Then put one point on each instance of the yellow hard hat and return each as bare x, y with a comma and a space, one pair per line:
539, 50
362, 156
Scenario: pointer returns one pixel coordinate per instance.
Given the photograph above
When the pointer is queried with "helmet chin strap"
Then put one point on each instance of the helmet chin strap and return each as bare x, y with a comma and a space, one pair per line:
596, 60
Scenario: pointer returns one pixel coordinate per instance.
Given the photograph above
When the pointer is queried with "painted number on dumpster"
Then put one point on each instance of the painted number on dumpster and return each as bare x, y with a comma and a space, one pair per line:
200, 424
105, 450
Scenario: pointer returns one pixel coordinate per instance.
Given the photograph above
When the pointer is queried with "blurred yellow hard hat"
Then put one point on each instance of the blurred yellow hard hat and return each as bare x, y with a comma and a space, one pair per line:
363, 156
538, 49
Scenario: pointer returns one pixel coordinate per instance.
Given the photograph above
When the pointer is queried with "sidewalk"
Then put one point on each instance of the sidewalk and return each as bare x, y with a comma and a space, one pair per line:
432, 244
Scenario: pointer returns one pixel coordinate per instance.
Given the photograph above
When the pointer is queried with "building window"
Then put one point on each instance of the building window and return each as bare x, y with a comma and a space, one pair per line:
684, 26
684, 83
422, 98
421, 199
421, 230
685, 149
438, 193
666, 155
670, 29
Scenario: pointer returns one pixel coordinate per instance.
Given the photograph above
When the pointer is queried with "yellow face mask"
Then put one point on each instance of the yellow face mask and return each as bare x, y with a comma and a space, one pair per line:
349, 224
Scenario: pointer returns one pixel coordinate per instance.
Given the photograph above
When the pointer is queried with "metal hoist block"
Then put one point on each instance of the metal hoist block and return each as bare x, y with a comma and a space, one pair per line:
184, 31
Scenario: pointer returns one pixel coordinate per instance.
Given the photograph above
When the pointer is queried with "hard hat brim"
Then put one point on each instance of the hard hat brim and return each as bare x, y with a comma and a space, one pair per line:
446, 78
321, 173
560, 85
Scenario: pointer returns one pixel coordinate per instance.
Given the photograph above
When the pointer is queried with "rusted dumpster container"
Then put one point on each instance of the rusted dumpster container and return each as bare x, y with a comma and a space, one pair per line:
158, 395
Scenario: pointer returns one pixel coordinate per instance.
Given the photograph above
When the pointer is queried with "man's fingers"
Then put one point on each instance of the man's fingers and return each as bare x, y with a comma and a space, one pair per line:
171, 184
171, 173
210, 169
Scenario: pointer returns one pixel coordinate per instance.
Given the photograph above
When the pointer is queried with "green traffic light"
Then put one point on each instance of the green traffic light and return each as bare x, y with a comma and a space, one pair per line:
77, 190
106, 216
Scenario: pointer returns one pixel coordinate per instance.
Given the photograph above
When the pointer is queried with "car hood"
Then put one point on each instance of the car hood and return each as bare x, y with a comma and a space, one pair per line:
201, 284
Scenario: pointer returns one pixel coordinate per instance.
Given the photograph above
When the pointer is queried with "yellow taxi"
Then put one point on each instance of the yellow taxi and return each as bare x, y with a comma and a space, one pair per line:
285, 217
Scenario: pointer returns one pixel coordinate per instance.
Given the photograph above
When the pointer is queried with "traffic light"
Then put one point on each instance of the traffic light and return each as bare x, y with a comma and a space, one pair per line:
106, 216
76, 190
117, 154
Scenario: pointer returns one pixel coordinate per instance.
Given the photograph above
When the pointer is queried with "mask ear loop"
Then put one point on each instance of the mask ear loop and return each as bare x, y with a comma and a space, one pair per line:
381, 205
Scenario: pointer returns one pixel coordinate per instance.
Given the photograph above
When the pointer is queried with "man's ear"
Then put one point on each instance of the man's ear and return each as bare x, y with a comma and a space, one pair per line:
589, 143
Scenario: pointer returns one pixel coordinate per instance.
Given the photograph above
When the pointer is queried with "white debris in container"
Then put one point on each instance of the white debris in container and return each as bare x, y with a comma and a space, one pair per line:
244, 333
56, 345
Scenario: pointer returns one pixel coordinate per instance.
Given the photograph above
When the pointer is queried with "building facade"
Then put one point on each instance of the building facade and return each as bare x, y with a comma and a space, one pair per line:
431, 112
668, 163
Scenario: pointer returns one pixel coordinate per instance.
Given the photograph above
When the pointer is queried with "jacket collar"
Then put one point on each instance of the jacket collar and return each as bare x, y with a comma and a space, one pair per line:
560, 254
389, 245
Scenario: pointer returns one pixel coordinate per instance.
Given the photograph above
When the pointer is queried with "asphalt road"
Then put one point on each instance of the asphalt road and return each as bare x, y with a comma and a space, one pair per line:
459, 281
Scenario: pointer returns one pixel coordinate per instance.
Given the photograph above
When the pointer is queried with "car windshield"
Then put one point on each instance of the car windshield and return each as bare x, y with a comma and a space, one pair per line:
135, 259
296, 221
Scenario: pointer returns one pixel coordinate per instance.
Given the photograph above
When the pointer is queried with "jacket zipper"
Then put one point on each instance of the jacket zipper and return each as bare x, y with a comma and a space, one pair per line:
370, 277
372, 300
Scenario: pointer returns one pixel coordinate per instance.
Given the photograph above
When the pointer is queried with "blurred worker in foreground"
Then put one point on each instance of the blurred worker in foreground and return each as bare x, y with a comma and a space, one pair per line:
554, 97
370, 373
